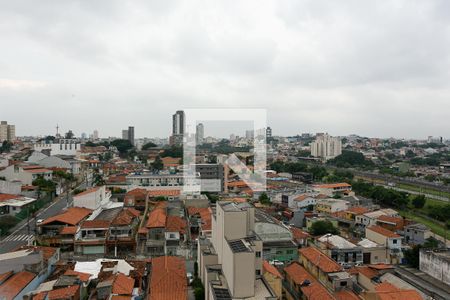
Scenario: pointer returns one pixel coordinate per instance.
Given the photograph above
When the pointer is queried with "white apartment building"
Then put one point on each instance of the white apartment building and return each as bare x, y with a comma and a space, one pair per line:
230, 262
92, 198
7, 132
151, 181
371, 218
26, 174
68, 147
326, 146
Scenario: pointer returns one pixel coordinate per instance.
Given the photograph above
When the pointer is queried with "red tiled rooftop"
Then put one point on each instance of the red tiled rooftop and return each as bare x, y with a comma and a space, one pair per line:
82, 276
63, 293
157, 218
383, 231
271, 269
346, 295
320, 260
123, 285
71, 216
47, 252
333, 185
163, 193
389, 219
125, 217
387, 291
176, 224
15, 284
95, 224
88, 191
6, 197
313, 291
357, 210
168, 279
68, 230
299, 234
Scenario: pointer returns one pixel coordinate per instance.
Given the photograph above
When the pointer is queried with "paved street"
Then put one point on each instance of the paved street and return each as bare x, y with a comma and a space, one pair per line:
22, 235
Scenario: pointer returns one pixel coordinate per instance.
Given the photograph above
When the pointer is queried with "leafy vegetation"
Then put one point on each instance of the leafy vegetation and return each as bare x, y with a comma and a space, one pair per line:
6, 146
123, 146
412, 255
157, 164
351, 159
419, 201
264, 199
173, 151
323, 227
149, 145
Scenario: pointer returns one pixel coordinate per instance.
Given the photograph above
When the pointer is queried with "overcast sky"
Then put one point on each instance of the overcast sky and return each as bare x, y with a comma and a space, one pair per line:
375, 68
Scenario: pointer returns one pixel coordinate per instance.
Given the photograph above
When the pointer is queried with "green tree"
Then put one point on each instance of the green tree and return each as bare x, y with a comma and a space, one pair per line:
149, 145
419, 201
173, 151
157, 164
6, 146
323, 227
264, 199
123, 146
412, 255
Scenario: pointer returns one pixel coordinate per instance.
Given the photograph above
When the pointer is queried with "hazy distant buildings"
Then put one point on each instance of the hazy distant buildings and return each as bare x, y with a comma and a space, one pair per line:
268, 133
125, 134
7, 132
326, 146
131, 134
95, 135
178, 127
249, 134
199, 134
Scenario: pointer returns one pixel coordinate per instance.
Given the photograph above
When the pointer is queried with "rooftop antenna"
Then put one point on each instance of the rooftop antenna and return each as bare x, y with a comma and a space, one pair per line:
57, 129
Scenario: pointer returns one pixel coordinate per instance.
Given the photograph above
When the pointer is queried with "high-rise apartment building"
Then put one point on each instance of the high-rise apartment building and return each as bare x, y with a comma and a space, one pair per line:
230, 260
95, 135
200, 133
7, 132
124, 134
326, 146
130, 136
178, 127
268, 133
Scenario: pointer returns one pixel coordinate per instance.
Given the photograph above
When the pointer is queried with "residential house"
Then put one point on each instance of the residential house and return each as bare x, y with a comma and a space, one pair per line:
60, 230
394, 224
333, 189
373, 253
370, 218
273, 278
391, 240
92, 198
13, 286
13, 204
25, 173
417, 234
122, 232
91, 238
299, 284
167, 279
329, 206
325, 269
340, 250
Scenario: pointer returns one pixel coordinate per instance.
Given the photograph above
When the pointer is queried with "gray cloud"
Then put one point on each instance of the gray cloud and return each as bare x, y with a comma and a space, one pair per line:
367, 67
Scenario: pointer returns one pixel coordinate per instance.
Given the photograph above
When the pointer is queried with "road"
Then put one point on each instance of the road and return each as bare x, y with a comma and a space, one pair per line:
445, 199
424, 282
24, 235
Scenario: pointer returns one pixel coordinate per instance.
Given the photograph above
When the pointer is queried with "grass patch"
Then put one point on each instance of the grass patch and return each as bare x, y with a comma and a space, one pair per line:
434, 226
423, 190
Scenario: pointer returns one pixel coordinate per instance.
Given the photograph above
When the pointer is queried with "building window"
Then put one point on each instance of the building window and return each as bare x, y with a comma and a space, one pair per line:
258, 253
258, 272
289, 251
394, 241
343, 283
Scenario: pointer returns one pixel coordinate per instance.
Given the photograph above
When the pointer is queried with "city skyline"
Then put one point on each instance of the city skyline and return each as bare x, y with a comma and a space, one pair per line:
156, 58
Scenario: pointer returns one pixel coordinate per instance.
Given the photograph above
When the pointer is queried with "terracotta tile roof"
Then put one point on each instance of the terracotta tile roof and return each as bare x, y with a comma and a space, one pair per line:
299, 234
119, 297
357, 210
163, 193
381, 266
271, 269
332, 185
123, 285
40, 296
5, 276
388, 219
176, 224
320, 260
95, 224
125, 217
168, 279
238, 184
301, 198
82, 276
34, 171
64, 293
346, 295
71, 216
137, 192
313, 291
205, 215
15, 284
157, 218
5, 197
88, 191
387, 291
383, 231
366, 271
68, 230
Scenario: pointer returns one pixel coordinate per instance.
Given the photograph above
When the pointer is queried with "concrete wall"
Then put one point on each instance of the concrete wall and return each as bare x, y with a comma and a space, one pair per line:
436, 265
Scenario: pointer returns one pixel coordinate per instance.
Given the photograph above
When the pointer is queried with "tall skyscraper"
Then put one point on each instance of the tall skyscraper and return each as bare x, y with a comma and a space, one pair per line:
268, 133
178, 126
7, 132
200, 133
95, 135
131, 134
124, 134
326, 146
